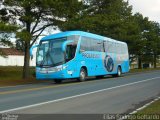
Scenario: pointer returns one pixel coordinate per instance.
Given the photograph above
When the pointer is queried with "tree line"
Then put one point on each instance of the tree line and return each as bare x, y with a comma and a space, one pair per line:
112, 18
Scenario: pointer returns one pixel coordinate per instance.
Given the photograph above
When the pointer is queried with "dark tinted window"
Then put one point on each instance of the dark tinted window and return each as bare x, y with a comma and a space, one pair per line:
90, 44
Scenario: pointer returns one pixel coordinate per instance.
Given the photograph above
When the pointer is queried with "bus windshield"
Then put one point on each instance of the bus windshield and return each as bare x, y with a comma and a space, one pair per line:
50, 53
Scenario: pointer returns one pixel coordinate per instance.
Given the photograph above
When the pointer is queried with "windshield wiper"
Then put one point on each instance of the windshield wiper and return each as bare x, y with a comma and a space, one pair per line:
42, 62
45, 58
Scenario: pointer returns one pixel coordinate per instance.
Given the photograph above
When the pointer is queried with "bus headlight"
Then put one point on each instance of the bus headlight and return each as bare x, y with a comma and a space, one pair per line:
65, 66
58, 69
70, 72
61, 67
52, 70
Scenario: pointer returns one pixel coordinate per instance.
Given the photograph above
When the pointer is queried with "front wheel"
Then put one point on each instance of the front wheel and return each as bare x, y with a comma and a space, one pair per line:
83, 75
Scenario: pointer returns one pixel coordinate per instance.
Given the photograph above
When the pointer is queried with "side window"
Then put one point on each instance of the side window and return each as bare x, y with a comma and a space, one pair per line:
75, 38
106, 45
93, 45
110, 47
114, 47
85, 44
90, 44
99, 45
96, 45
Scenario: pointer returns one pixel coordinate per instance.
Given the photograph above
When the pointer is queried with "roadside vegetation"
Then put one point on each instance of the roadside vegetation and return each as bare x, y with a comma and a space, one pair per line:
143, 70
12, 75
154, 108
152, 112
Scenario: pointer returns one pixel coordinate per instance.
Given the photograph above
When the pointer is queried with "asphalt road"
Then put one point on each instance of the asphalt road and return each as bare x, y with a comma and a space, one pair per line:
108, 95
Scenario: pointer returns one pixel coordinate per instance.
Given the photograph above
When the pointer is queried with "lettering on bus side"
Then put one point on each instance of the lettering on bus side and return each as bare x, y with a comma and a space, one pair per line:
90, 55
109, 64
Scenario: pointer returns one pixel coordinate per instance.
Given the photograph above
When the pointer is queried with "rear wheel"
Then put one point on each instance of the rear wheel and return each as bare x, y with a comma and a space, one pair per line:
119, 72
83, 75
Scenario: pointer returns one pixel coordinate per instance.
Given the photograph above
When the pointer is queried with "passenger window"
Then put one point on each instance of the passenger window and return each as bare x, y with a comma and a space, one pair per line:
90, 44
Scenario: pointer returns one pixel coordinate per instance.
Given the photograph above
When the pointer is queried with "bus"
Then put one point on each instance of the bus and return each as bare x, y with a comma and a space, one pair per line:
78, 54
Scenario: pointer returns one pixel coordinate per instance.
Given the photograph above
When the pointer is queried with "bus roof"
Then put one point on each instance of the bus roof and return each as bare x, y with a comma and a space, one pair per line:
81, 33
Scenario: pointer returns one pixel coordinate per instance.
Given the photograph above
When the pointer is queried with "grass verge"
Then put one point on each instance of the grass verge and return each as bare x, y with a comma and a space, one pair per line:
143, 70
12, 75
151, 112
154, 108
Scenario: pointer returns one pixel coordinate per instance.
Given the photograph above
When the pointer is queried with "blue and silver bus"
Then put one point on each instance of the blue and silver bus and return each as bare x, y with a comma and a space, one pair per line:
78, 54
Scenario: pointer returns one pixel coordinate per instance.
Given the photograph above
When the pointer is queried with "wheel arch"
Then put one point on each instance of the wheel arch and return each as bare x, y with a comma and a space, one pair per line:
119, 66
85, 68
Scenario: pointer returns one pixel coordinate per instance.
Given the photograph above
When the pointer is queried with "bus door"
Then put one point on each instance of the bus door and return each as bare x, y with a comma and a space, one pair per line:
71, 62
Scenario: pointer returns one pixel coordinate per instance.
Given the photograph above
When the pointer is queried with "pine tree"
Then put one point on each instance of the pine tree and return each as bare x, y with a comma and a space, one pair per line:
152, 36
114, 18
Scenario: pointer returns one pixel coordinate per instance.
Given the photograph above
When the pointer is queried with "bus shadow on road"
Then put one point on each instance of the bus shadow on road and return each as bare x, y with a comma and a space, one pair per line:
89, 79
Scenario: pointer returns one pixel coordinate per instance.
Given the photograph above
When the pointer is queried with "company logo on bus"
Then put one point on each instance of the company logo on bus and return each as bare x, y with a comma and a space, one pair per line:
108, 62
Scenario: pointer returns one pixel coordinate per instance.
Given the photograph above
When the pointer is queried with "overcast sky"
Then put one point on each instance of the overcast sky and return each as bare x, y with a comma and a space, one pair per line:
149, 8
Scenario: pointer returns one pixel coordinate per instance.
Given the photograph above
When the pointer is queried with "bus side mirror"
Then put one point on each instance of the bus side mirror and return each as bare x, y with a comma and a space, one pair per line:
31, 49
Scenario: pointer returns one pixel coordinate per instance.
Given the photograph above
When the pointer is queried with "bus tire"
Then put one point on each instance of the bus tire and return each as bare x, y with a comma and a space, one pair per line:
119, 71
57, 81
83, 75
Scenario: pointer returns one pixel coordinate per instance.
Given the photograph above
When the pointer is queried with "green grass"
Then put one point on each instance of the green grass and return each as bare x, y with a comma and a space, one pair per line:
8, 73
152, 112
13, 72
154, 108
12, 75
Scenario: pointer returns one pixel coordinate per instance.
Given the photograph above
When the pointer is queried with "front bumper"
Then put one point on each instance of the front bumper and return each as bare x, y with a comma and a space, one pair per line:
55, 75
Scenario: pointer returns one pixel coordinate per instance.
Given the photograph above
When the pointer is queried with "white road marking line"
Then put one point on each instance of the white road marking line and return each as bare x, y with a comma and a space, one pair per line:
144, 106
138, 109
66, 98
